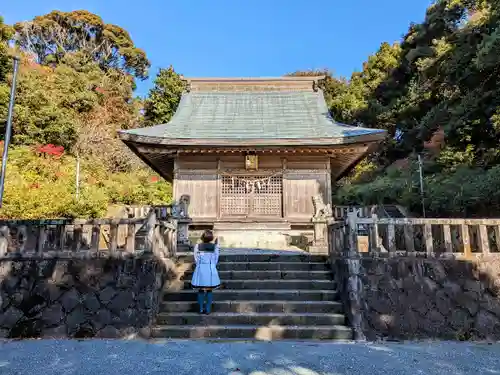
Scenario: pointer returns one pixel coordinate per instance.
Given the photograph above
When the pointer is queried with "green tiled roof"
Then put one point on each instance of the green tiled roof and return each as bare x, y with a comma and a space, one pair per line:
240, 116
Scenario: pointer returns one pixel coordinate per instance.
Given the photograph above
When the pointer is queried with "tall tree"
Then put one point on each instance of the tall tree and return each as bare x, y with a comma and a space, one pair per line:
332, 87
52, 36
444, 91
6, 33
164, 97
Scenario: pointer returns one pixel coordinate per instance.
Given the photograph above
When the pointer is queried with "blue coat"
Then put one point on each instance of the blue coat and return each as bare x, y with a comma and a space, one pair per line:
205, 274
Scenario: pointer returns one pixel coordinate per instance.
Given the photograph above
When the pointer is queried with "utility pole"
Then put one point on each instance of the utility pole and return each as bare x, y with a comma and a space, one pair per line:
8, 128
77, 177
421, 183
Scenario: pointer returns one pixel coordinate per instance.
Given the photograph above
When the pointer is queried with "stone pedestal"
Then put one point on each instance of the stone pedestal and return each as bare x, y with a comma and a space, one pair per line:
183, 243
320, 241
253, 235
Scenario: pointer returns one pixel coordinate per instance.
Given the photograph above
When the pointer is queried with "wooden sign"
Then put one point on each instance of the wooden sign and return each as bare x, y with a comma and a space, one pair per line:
363, 244
252, 162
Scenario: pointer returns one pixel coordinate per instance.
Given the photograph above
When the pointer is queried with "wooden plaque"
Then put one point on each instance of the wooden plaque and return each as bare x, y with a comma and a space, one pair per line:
252, 162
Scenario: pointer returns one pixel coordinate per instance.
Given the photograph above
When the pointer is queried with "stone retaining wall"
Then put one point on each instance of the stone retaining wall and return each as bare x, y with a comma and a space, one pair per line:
405, 298
103, 297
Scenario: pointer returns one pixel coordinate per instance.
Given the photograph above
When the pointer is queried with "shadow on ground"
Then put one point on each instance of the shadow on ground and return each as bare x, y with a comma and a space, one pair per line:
276, 358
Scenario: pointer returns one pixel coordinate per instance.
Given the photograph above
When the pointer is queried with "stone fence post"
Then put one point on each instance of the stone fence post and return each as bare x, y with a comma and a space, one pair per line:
320, 241
150, 232
353, 282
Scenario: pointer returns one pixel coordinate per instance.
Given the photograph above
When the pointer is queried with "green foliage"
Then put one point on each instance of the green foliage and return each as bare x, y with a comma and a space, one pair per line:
76, 105
6, 33
164, 97
443, 76
43, 186
53, 36
463, 192
331, 86
75, 90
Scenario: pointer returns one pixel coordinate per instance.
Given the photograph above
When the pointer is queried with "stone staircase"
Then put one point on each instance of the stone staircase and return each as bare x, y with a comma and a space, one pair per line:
264, 297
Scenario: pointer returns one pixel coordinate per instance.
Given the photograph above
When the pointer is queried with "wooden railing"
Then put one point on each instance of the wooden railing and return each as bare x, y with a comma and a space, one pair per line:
416, 236
99, 237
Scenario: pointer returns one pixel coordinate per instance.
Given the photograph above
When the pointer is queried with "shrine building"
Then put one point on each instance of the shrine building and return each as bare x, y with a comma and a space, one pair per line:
253, 156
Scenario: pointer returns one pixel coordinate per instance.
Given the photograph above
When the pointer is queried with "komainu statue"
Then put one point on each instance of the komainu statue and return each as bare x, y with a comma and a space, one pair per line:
321, 210
181, 208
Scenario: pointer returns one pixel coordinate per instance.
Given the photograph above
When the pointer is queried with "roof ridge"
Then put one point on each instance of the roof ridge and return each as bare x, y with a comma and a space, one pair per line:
254, 79
278, 84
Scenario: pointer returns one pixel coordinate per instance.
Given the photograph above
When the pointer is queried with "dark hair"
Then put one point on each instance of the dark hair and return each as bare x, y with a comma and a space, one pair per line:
207, 236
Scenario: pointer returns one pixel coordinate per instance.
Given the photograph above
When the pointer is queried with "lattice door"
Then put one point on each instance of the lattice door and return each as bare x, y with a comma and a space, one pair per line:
254, 196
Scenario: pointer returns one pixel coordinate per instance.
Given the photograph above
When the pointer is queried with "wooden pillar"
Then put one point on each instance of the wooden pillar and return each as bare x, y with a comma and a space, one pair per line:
328, 182
175, 185
218, 187
284, 187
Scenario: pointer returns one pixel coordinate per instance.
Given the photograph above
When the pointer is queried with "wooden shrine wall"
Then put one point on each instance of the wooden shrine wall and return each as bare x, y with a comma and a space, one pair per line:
303, 177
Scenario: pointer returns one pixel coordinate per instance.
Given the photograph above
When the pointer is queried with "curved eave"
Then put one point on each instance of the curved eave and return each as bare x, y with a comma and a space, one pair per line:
164, 166
376, 136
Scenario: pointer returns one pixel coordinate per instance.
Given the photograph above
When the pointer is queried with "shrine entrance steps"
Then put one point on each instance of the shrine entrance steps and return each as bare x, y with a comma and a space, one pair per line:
265, 296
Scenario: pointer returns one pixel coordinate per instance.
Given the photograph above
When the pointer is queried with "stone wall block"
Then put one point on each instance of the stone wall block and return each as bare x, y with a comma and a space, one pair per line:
108, 332
468, 301
80, 298
103, 317
10, 317
67, 281
59, 331
46, 268
91, 303
55, 292
487, 325
53, 315
75, 319
406, 298
429, 286
70, 300
107, 294
11, 284
123, 300
490, 304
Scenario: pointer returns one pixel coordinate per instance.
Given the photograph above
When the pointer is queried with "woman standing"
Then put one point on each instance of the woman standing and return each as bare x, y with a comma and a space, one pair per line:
205, 276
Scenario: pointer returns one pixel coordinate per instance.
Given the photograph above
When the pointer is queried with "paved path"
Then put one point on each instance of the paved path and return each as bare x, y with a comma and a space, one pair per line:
50, 357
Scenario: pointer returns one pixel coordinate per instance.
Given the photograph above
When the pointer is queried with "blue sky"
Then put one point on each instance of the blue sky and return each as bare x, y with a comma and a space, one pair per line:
246, 38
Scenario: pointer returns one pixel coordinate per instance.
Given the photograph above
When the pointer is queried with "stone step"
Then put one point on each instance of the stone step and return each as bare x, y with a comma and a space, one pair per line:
257, 295
273, 266
269, 275
245, 307
273, 284
334, 332
223, 319
244, 258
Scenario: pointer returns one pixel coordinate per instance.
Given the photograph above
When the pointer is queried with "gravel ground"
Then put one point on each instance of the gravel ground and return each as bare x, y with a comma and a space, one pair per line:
50, 357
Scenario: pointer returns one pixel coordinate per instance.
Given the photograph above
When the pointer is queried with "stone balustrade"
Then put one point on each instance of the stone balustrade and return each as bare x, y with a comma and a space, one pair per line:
341, 212
76, 238
418, 278
431, 237
417, 236
84, 278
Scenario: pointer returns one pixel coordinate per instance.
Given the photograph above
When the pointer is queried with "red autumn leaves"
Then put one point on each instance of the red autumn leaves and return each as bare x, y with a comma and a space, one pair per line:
50, 149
